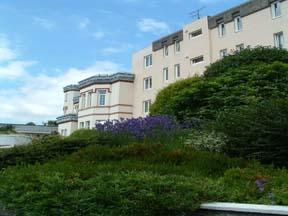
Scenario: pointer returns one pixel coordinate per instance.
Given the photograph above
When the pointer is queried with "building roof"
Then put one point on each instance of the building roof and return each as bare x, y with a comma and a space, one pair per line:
107, 79
38, 129
71, 88
242, 10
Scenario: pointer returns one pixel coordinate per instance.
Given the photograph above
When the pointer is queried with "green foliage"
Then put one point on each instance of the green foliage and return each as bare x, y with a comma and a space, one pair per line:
240, 79
7, 129
257, 131
137, 179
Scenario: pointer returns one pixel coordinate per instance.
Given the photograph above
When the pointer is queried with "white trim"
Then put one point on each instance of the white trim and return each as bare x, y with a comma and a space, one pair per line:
247, 208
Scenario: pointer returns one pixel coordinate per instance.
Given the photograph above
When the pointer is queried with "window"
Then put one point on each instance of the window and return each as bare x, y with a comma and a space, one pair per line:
177, 46
89, 98
276, 9
222, 29
165, 74
83, 101
65, 110
197, 60
148, 60
223, 53
102, 97
279, 40
195, 33
81, 125
177, 70
148, 83
238, 24
66, 97
165, 51
87, 124
146, 106
240, 47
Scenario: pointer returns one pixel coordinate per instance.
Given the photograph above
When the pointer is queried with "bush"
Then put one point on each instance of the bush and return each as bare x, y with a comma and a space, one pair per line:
257, 131
244, 78
206, 141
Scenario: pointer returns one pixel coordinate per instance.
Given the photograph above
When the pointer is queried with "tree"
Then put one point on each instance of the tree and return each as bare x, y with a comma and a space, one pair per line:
31, 124
244, 78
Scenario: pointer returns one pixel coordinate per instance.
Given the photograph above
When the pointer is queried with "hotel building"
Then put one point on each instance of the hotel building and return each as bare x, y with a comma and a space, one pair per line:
185, 53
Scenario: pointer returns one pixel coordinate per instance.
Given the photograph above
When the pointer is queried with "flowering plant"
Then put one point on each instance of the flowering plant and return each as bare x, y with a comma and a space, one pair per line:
151, 127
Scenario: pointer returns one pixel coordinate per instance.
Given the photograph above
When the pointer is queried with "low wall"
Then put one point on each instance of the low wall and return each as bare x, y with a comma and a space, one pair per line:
236, 209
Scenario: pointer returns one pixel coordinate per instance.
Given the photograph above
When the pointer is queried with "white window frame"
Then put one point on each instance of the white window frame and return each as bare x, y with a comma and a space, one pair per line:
177, 46
146, 104
87, 124
166, 74
81, 125
223, 53
148, 61
83, 101
177, 71
192, 36
147, 82
222, 30
240, 47
196, 58
279, 40
276, 9
238, 24
89, 99
166, 51
102, 95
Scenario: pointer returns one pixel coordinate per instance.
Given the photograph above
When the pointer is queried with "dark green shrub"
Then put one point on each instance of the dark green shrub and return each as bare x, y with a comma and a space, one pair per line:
257, 131
241, 79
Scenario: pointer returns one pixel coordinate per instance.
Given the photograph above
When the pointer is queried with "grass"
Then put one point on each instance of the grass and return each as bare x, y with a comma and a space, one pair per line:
136, 179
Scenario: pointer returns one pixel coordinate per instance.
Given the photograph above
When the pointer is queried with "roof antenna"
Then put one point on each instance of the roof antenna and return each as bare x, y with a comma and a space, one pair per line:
196, 14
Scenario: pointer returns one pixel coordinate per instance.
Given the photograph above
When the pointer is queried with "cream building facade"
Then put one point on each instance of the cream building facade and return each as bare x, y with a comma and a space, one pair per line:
180, 55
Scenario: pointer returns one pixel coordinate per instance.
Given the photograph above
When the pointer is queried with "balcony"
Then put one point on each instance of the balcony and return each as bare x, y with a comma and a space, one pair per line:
67, 118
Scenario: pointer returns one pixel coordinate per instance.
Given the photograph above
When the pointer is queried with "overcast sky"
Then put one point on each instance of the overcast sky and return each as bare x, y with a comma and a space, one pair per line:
47, 44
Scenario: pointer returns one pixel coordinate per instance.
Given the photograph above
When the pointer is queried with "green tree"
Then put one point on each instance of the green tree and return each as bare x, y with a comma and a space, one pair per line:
244, 78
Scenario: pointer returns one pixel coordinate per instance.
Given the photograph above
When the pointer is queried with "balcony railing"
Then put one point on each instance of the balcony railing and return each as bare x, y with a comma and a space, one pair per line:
71, 88
67, 118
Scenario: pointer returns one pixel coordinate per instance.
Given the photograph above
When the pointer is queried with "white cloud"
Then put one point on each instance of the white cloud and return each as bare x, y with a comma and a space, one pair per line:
6, 52
152, 25
116, 48
39, 97
44, 23
84, 23
98, 35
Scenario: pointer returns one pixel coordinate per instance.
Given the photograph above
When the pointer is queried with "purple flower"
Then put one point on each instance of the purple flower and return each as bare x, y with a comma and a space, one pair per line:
260, 183
142, 128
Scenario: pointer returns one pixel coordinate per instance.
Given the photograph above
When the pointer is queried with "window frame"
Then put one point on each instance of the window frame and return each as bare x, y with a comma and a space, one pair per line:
148, 61
165, 50
148, 103
196, 58
177, 46
192, 36
241, 46
274, 10
238, 25
279, 41
177, 70
222, 29
165, 74
149, 83
223, 53
100, 97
